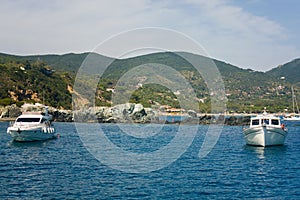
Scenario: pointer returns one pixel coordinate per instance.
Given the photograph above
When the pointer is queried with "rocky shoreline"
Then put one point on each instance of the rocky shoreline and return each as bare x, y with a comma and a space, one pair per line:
127, 113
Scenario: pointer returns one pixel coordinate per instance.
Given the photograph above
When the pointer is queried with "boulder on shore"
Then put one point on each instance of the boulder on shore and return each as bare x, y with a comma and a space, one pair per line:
122, 113
11, 111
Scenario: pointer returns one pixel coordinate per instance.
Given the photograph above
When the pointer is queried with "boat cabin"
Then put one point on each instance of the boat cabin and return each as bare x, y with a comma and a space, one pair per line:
265, 121
31, 119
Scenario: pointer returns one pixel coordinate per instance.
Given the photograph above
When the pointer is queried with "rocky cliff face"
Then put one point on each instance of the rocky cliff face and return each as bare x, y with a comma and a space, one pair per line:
123, 113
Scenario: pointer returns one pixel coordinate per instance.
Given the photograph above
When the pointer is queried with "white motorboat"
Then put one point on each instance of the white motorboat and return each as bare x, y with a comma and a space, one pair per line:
265, 130
32, 126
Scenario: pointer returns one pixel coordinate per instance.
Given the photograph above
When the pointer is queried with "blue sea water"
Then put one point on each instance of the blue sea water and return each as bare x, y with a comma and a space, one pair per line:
173, 118
64, 169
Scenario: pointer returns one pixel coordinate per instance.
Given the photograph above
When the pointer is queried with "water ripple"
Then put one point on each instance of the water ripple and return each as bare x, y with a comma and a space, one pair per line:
64, 169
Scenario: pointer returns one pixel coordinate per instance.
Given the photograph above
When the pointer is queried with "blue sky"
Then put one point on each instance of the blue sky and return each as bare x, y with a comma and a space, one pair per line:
256, 34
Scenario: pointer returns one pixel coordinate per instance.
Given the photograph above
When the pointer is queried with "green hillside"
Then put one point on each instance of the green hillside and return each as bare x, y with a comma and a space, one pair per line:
25, 81
49, 79
246, 90
67, 62
290, 70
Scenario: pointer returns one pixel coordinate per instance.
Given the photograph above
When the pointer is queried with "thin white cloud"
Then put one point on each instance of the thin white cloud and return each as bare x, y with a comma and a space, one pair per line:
233, 34
236, 20
227, 31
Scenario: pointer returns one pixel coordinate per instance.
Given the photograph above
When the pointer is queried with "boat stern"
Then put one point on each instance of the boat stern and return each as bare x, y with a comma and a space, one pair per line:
36, 134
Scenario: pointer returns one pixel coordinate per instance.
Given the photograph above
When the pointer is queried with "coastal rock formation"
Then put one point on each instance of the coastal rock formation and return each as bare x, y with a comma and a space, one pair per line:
61, 115
122, 113
10, 111
125, 113
238, 120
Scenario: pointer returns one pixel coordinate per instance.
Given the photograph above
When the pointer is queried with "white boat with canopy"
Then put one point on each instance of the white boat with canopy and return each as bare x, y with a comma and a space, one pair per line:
265, 130
32, 125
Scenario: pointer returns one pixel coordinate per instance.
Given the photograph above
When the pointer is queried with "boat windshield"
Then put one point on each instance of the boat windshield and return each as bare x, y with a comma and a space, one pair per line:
255, 122
266, 121
21, 119
275, 122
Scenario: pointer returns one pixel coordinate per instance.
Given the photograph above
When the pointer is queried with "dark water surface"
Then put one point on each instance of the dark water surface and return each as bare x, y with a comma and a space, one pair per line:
63, 169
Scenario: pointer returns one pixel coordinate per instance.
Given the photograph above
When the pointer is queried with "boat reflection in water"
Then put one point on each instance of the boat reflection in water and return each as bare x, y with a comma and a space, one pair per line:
263, 153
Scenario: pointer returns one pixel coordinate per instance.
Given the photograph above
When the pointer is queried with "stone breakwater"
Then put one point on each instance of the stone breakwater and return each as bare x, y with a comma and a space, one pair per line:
125, 113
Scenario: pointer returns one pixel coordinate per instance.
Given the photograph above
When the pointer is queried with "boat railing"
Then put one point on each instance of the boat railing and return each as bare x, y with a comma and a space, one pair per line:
31, 113
26, 125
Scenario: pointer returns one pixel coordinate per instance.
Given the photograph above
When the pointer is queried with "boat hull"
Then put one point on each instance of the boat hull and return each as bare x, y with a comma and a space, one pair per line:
20, 134
265, 136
